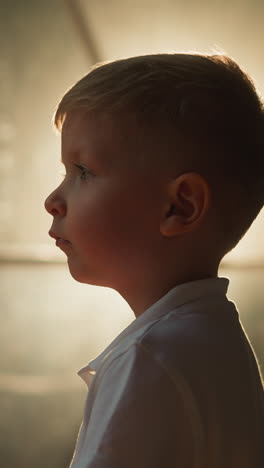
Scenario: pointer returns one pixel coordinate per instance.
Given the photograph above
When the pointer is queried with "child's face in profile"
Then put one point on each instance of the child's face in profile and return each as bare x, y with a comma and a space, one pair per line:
106, 208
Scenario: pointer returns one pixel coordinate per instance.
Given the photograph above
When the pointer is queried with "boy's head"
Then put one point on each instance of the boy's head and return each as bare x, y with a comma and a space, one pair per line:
190, 128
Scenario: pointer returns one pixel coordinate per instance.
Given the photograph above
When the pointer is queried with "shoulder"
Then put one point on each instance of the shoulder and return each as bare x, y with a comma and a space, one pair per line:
194, 339
190, 343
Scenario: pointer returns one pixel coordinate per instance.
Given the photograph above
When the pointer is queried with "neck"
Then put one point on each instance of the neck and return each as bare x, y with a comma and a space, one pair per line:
142, 295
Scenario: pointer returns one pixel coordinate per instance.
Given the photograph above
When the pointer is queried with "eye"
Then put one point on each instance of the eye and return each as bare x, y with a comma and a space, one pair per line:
84, 172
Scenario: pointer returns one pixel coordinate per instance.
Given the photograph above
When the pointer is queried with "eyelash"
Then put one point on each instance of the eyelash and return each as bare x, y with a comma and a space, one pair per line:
83, 170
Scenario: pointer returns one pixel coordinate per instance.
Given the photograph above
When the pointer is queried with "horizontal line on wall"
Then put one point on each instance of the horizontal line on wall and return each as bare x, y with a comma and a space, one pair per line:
39, 384
47, 254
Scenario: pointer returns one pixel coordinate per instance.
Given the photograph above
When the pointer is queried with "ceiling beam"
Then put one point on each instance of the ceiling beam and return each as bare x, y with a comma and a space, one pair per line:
83, 29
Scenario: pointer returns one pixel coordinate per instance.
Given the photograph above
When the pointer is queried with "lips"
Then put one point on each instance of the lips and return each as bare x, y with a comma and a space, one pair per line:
59, 240
55, 236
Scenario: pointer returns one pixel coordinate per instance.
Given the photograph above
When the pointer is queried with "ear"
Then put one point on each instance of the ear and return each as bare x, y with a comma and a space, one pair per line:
188, 201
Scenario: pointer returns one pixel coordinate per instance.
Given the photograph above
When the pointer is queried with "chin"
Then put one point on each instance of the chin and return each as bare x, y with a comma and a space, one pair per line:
81, 275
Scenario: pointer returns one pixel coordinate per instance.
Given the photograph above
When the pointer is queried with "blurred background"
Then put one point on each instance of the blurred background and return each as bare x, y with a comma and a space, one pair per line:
50, 324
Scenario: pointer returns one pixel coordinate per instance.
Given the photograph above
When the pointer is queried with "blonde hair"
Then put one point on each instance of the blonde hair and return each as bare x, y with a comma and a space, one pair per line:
201, 111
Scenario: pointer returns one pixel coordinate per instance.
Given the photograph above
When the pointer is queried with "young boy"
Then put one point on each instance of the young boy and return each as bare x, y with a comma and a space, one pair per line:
164, 175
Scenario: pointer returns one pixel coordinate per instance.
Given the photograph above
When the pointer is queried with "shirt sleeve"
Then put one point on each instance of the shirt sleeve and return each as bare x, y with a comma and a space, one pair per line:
143, 416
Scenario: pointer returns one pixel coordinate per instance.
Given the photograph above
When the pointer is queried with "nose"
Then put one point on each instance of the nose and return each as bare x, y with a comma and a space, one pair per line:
55, 204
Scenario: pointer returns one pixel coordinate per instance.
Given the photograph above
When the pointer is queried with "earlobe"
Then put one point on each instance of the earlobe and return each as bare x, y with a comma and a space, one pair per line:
187, 203
173, 225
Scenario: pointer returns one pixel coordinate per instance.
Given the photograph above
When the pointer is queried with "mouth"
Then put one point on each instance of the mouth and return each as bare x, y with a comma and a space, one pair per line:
59, 240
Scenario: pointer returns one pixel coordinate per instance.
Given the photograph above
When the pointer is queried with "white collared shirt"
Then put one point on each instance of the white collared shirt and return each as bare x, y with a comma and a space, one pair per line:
179, 387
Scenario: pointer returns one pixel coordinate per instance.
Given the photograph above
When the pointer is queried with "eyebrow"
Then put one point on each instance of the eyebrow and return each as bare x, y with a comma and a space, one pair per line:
73, 155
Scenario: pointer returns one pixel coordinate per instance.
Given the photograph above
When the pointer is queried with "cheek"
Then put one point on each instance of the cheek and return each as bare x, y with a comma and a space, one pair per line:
93, 219
126, 216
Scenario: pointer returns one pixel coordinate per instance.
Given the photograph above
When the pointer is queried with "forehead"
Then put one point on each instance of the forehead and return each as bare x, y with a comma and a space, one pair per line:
96, 135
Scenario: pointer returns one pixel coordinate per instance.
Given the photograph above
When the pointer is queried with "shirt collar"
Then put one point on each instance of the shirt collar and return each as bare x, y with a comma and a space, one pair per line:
176, 297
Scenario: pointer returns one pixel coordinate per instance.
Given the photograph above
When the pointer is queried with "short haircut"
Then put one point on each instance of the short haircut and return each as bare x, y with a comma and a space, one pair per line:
201, 112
